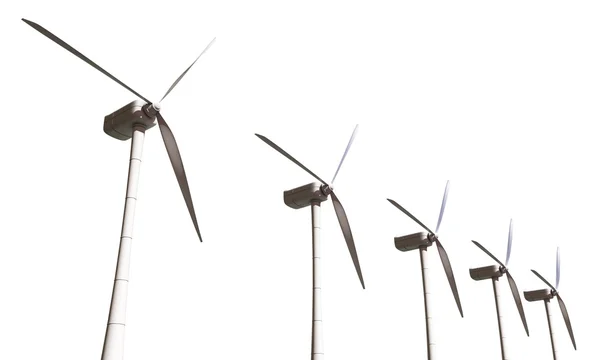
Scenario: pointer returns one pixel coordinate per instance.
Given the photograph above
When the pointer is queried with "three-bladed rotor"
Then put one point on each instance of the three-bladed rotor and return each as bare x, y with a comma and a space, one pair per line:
504, 270
432, 236
561, 303
327, 189
152, 110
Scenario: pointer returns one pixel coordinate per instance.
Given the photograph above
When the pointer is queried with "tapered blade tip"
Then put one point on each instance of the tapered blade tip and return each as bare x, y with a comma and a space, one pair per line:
30, 23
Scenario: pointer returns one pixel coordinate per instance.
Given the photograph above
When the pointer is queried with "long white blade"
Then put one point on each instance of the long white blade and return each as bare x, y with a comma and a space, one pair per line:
290, 157
345, 153
72, 50
563, 310
186, 70
509, 247
487, 252
345, 225
177, 163
449, 275
518, 302
437, 228
557, 266
544, 280
409, 215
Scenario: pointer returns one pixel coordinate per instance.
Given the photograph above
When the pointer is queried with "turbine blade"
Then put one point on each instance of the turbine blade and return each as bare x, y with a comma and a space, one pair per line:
69, 48
515, 292
410, 215
510, 236
186, 70
282, 152
449, 274
343, 220
345, 153
487, 252
557, 266
565, 315
437, 228
544, 280
177, 163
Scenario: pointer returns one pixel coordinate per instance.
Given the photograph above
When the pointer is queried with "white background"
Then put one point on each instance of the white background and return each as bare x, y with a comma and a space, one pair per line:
499, 97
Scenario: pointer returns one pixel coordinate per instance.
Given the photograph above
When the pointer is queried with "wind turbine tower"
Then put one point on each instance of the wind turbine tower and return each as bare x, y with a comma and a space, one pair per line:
131, 122
314, 194
422, 241
495, 272
546, 295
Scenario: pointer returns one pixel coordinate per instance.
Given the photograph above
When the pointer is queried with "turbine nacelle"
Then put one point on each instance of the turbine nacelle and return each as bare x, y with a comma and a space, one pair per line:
120, 123
414, 241
304, 195
487, 272
537, 295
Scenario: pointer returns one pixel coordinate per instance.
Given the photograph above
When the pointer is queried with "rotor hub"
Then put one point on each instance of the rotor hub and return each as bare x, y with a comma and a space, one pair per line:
432, 238
326, 189
151, 109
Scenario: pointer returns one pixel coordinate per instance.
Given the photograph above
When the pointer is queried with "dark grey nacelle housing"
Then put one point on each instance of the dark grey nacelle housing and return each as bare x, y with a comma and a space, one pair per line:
537, 295
412, 241
120, 123
302, 196
486, 272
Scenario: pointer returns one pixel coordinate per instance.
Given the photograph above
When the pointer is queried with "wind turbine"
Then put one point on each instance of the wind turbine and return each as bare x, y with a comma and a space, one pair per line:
313, 194
546, 295
495, 272
131, 121
422, 241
